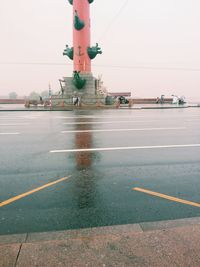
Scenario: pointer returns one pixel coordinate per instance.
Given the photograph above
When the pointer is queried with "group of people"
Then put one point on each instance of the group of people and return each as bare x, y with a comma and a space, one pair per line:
178, 100
175, 99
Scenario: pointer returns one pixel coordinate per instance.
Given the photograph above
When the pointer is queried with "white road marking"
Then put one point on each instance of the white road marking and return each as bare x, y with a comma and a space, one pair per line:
124, 130
16, 118
122, 148
104, 122
22, 117
31, 117
193, 116
97, 117
192, 120
9, 117
8, 133
13, 124
116, 117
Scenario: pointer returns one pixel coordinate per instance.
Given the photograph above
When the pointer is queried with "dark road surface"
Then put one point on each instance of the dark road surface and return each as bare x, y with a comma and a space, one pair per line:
111, 153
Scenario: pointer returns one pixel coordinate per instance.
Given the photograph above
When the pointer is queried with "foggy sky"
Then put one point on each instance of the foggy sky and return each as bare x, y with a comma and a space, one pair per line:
150, 47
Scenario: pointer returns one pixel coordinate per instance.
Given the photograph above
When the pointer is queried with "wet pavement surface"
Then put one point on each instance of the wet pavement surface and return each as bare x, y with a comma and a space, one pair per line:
105, 154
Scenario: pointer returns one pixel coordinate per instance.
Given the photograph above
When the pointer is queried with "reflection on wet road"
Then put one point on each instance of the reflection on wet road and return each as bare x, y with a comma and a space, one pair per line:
85, 182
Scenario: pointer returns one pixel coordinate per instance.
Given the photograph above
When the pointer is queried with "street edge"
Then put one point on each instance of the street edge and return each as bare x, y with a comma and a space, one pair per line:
98, 231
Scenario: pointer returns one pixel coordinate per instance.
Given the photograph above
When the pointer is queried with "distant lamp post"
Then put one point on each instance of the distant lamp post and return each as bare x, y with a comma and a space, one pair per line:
50, 96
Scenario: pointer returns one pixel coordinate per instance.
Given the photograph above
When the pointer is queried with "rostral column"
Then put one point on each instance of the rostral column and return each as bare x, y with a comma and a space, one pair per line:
81, 35
81, 53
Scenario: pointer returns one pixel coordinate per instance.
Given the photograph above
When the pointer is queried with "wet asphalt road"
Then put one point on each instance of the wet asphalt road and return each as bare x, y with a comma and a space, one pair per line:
99, 191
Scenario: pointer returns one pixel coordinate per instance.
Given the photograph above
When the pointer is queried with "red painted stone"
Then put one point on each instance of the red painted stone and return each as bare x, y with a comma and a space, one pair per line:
81, 38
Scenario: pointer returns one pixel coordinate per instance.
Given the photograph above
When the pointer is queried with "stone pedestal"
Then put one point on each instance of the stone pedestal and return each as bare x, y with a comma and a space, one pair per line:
88, 95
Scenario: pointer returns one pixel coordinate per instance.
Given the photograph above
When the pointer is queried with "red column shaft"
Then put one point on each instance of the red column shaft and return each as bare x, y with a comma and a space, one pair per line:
81, 38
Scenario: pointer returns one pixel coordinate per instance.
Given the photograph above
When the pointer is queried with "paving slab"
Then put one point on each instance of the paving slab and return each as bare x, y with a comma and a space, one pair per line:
171, 247
91, 232
9, 254
10, 239
161, 225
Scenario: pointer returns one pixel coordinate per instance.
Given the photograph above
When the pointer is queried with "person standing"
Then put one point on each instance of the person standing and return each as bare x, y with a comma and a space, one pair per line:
76, 102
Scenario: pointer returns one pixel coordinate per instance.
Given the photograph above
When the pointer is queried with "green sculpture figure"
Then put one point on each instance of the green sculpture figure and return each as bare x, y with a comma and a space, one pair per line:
78, 81
93, 51
71, 1
69, 52
78, 23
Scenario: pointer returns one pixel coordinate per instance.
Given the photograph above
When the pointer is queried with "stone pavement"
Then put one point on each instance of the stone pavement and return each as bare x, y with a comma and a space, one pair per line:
165, 243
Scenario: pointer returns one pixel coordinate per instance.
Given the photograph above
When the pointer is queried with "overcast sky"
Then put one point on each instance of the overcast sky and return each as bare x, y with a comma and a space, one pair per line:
150, 47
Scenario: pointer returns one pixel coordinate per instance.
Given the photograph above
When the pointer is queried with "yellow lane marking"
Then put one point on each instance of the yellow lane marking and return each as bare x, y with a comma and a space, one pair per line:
13, 199
166, 197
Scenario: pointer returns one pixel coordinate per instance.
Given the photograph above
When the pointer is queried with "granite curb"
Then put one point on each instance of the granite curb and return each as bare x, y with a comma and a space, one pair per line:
115, 230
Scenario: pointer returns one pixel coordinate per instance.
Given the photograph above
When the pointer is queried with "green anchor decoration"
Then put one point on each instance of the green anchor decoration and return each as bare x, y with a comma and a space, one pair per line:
78, 81
71, 1
93, 51
79, 52
78, 23
69, 52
